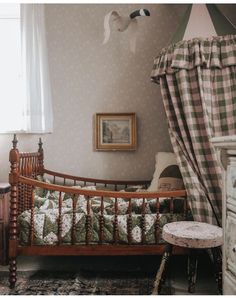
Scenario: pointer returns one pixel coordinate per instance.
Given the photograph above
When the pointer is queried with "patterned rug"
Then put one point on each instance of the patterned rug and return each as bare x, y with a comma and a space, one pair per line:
81, 283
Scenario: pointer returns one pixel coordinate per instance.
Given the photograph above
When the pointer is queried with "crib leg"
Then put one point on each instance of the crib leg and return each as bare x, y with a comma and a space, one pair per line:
12, 272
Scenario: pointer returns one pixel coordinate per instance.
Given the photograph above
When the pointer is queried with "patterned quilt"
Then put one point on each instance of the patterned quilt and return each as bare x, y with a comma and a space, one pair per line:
46, 215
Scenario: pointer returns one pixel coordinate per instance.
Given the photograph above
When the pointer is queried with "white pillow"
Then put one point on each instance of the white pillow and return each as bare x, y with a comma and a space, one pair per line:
163, 160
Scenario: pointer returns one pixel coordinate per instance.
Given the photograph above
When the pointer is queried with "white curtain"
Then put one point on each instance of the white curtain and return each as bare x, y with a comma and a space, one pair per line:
39, 113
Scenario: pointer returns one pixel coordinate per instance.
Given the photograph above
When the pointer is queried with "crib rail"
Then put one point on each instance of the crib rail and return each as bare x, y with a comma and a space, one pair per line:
100, 195
64, 179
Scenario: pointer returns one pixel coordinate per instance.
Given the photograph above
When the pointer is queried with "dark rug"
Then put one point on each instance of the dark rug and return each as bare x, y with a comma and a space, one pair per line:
81, 283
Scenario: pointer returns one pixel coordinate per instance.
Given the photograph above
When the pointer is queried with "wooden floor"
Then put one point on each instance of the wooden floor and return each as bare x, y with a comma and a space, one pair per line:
145, 265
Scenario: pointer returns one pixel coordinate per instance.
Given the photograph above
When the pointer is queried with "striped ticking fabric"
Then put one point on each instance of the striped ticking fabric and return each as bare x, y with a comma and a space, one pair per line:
198, 86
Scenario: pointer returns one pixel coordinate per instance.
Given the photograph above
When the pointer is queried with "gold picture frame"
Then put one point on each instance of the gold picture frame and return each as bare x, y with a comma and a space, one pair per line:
115, 131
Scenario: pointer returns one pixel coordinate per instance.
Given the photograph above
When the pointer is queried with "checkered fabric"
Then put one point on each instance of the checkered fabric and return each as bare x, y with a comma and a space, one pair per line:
198, 86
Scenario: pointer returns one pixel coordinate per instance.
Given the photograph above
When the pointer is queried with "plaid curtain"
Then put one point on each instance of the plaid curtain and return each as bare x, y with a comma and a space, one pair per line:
198, 86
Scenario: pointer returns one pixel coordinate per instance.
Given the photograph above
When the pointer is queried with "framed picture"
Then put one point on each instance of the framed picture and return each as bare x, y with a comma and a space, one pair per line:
115, 131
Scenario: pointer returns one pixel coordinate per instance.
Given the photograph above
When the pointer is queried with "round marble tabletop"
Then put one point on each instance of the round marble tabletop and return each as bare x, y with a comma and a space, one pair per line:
192, 234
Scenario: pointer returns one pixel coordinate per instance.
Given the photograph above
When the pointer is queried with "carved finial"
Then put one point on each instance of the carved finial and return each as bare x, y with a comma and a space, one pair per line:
15, 141
40, 144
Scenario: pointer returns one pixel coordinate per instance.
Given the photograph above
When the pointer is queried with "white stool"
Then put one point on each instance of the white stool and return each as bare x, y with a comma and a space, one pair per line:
195, 236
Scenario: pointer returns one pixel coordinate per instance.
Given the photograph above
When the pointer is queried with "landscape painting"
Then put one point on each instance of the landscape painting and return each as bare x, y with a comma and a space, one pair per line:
115, 131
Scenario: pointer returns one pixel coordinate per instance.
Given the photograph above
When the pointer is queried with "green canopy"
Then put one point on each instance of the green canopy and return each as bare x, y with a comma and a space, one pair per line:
202, 21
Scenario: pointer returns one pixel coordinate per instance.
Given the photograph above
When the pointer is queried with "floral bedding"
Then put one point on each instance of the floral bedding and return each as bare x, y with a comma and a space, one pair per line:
46, 215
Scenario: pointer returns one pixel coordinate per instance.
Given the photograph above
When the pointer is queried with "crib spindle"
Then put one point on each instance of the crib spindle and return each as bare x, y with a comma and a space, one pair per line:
129, 222
157, 224
31, 236
115, 227
60, 220
21, 202
25, 195
88, 221
28, 195
33, 166
64, 181
25, 166
28, 166
22, 166
73, 219
54, 179
85, 183
143, 223
101, 222
74, 182
37, 166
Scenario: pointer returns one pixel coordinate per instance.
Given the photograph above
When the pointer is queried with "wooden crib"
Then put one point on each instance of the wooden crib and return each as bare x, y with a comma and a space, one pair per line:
23, 177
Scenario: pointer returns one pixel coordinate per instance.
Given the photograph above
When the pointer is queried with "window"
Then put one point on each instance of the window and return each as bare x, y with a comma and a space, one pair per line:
25, 94
11, 87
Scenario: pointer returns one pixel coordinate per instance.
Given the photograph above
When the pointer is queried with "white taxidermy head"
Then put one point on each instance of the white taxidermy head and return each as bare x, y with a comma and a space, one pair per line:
122, 23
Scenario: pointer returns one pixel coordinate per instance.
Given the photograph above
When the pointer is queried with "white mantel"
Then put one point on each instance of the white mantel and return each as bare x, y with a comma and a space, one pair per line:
226, 142
226, 147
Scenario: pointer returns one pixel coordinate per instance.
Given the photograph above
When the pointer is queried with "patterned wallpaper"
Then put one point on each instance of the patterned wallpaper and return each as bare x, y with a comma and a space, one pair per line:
88, 77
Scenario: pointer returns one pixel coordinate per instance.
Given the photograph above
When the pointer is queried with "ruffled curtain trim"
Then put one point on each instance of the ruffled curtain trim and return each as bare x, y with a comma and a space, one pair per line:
214, 52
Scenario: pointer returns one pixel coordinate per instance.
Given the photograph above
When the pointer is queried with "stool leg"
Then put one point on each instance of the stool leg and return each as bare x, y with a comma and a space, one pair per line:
161, 273
192, 270
217, 259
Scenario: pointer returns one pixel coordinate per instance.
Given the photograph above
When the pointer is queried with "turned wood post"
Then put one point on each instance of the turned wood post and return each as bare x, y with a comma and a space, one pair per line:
161, 273
13, 180
41, 157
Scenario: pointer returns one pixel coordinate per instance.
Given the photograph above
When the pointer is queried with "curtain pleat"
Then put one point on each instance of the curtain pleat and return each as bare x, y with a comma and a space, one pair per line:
189, 132
35, 69
198, 86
